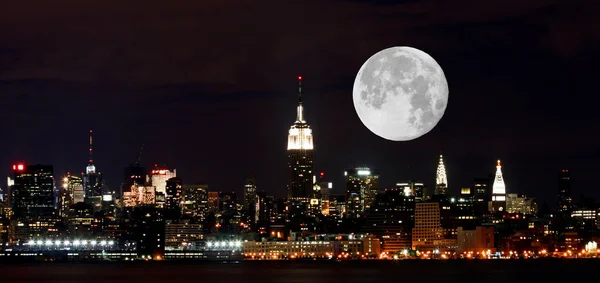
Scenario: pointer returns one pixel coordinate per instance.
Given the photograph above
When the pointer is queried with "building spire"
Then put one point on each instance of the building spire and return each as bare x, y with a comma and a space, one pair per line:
499, 187
90, 169
300, 89
441, 179
300, 109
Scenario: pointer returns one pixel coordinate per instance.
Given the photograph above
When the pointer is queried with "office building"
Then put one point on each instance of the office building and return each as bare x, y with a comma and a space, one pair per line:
173, 197
300, 161
427, 233
441, 178
33, 191
564, 203
92, 181
158, 178
519, 203
362, 186
498, 191
479, 240
250, 200
196, 201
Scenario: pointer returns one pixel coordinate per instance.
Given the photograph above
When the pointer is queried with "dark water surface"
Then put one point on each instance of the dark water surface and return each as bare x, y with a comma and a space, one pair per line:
306, 272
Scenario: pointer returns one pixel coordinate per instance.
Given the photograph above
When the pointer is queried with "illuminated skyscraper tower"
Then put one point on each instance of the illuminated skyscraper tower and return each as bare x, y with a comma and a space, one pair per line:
362, 186
300, 160
564, 193
441, 180
498, 191
250, 200
92, 182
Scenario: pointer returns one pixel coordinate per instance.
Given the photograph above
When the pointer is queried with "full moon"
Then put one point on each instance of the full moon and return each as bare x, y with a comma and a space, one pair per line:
400, 93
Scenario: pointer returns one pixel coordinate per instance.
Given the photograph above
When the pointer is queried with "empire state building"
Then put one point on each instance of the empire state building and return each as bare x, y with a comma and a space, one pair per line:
300, 160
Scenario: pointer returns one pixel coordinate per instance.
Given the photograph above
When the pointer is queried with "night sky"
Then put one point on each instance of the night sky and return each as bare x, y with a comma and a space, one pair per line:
210, 88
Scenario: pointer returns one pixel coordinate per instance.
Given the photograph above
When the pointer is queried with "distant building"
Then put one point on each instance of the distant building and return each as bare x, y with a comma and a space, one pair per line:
196, 201
498, 191
158, 178
441, 178
391, 220
182, 235
300, 161
250, 200
33, 191
92, 182
325, 188
428, 230
362, 186
415, 189
133, 175
33, 209
481, 197
564, 203
516, 203
139, 195
228, 202
337, 206
481, 239
585, 219
213, 201
174, 197
463, 208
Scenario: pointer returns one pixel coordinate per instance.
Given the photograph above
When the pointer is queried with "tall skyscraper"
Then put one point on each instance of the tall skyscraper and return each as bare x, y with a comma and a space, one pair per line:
92, 181
481, 197
362, 186
158, 178
428, 229
33, 192
250, 200
300, 160
498, 191
564, 202
441, 179
74, 186
173, 197
196, 201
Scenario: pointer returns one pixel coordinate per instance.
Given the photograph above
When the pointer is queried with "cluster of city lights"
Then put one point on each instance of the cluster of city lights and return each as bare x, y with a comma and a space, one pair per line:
224, 245
67, 243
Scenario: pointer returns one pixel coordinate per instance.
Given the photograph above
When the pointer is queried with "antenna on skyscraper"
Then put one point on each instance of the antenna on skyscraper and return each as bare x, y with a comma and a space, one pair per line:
91, 144
300, 89
137, 160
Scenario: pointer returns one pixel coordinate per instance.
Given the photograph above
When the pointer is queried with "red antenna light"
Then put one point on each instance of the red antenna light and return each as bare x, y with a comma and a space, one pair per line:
299, 78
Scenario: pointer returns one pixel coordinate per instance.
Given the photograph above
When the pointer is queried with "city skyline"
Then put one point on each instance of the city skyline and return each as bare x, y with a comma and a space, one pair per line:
220, 111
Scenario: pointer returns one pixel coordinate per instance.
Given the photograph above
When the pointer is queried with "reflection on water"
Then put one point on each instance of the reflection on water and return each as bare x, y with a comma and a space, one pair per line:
303, 272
